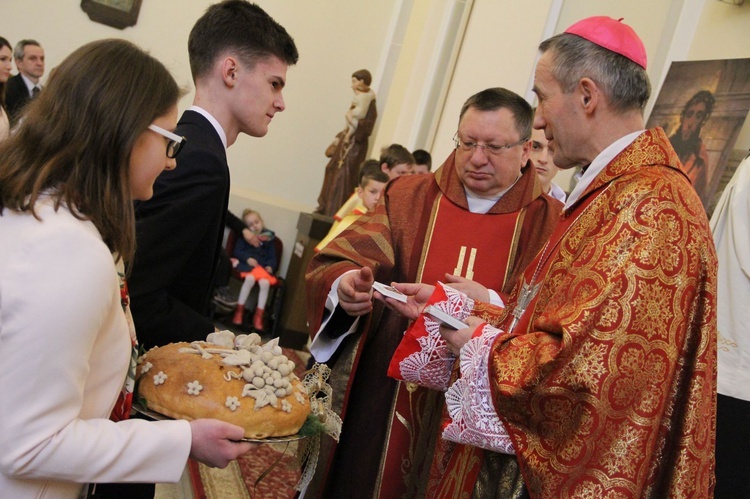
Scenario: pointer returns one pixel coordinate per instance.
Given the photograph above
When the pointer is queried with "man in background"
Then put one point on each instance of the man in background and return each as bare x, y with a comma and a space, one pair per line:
481, 217
21, 88
730, 224
541, 156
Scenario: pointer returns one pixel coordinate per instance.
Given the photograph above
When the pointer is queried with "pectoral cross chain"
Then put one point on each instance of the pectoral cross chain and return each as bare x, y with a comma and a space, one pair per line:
528, 292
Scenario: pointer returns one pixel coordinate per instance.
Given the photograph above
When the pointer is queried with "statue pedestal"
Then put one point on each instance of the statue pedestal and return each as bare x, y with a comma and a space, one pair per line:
311, 229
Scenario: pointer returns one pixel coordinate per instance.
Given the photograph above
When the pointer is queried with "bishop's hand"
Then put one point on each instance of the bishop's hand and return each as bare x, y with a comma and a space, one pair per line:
470, 288
417, 296
457, 338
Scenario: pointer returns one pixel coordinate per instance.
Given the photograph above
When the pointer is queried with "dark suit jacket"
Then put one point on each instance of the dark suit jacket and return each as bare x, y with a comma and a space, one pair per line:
16, 96
179, 232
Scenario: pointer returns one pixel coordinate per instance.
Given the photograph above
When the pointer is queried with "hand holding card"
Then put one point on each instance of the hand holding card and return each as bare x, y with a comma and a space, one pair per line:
389, 291
444, 318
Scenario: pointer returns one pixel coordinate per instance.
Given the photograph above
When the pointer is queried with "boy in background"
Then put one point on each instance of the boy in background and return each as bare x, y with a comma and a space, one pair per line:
396, 160
372, 181
541, 156
422, 162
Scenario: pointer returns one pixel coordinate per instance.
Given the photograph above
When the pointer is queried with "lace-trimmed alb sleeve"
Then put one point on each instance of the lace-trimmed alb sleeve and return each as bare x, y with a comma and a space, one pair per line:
469, 401
423, 357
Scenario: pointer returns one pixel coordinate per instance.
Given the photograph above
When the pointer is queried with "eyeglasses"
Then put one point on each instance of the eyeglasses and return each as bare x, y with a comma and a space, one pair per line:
489, 149
174, 143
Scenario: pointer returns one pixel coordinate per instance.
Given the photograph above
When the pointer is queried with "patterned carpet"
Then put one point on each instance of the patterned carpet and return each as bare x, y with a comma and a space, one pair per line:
238, 480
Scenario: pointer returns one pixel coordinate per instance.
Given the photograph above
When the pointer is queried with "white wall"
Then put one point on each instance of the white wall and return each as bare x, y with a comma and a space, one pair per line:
673, 30
498, 50
281, 174
723, 32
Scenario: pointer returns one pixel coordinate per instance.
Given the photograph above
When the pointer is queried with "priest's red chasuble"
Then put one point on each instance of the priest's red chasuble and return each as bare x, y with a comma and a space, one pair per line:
481, 253
420, 230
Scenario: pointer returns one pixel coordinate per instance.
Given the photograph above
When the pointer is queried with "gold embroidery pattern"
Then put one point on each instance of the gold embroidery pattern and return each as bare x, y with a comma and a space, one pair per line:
465, 461
598, 395
725, 343
489, 313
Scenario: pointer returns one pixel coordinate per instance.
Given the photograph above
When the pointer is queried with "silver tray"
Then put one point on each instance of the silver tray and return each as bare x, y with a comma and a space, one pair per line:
155, 416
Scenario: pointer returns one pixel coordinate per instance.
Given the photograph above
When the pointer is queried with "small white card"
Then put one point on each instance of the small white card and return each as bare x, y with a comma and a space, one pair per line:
389, 291
444, 318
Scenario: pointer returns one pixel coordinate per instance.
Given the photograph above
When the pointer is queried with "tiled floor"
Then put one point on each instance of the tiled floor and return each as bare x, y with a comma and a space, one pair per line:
179, 490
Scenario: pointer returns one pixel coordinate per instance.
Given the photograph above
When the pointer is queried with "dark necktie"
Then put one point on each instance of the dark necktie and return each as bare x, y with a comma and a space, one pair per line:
34, 92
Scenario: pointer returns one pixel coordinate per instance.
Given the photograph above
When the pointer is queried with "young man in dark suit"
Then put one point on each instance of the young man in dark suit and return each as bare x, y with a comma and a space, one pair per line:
238, 58
24, 86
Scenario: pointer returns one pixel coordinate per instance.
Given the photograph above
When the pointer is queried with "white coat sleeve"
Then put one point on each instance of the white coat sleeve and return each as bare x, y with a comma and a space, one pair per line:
63, 353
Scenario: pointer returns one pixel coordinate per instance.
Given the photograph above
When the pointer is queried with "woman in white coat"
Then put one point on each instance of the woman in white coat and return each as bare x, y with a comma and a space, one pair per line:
93, 141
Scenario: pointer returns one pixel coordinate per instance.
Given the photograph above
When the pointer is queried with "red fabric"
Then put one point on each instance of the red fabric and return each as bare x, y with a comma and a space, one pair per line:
392, 241
260, 274
124, 403
612, 34
464, 253
411, 344
608, 384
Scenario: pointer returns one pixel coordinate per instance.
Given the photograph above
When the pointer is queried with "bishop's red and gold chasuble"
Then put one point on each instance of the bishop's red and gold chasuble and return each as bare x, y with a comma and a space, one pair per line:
607, 384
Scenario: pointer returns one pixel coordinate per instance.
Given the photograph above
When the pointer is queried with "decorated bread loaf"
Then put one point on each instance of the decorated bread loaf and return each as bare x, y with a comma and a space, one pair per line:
234, 379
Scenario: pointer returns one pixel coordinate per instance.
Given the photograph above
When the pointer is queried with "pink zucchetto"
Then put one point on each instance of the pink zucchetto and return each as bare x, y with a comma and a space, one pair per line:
612, 34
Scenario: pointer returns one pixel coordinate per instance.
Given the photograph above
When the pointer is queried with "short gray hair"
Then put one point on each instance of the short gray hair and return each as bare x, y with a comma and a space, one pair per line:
624, 83
21, 46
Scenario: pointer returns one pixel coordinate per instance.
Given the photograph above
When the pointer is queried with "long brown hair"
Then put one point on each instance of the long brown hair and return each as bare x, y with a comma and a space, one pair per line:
75, 139
4, 43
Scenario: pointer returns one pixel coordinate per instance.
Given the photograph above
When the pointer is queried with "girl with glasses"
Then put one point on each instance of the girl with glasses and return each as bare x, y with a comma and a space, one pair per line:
89, 145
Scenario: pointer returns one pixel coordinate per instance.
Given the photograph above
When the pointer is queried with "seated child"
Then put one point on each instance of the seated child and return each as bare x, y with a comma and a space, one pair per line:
372, 181
256, 264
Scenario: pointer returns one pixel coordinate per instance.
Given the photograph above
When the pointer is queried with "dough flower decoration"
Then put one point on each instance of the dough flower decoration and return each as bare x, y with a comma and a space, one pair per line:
247, 389
146, 367
194, 387
232, 403
160, 378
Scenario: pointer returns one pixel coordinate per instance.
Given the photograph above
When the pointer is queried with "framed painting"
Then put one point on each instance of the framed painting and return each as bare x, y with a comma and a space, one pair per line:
116, 13
702, 106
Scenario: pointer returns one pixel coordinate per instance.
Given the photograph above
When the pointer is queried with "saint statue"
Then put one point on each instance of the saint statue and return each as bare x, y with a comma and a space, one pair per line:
349, 147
